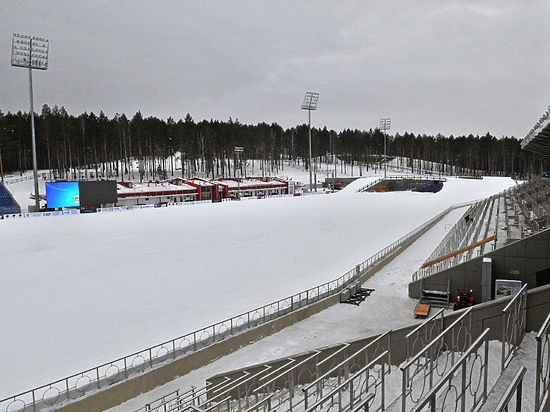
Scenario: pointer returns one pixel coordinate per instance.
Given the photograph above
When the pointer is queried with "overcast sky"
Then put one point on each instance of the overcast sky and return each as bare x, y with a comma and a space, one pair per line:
433, 66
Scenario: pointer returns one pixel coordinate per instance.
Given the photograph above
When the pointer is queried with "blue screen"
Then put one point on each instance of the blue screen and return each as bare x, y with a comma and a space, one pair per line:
62, 194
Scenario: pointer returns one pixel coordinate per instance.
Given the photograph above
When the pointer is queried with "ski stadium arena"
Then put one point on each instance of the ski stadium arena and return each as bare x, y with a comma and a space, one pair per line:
321, 302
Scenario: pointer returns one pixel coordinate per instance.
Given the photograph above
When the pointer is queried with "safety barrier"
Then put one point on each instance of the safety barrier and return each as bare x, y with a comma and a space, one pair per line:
424, 333
420, 373
514, 323
464, 386
543, 366
514, 387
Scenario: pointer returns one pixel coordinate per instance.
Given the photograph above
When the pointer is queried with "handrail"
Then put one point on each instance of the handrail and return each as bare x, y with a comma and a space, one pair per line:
513, 325
70, 387
432, 394
343, 348
543, 369
278, 369
345, 361
431, 354
347, 381
426, 322
515, 386
287, 371
434, 341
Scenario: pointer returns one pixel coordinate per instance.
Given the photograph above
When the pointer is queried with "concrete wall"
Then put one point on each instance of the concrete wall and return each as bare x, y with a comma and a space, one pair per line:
526, 256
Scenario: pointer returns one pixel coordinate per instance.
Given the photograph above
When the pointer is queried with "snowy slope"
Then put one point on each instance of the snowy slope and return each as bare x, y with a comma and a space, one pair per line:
77, 291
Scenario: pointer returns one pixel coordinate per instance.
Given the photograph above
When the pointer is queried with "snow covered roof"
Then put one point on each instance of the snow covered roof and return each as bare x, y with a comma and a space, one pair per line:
249, 183
153, 187
200, 182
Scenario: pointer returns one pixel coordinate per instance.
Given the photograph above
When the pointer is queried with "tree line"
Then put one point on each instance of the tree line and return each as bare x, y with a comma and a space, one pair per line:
96, 146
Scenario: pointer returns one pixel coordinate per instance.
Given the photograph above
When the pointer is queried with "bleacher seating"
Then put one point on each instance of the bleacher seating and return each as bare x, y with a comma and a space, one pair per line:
492, 222
8, 205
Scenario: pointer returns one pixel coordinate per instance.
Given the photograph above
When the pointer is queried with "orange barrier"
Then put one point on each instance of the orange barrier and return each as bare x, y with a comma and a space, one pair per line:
456, 252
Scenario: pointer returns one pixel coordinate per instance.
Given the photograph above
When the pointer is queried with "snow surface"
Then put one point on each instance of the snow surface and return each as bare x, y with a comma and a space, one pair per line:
77, 291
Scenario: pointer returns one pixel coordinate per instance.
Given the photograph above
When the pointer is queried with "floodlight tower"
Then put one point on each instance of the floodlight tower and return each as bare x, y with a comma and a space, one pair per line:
385, 125
238, 151
31, 52
309, 104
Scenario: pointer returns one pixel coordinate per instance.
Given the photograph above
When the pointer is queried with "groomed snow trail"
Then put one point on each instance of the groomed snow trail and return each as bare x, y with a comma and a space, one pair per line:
388, 307
79, 291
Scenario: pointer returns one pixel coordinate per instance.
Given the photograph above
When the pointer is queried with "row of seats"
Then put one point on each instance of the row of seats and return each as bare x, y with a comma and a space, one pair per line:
8, 205
509, 216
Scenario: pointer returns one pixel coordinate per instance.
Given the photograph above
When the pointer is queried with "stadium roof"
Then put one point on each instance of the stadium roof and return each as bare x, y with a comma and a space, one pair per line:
538, 138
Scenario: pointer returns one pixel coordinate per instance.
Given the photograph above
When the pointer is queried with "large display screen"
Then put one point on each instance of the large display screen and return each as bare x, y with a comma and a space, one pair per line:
62, 194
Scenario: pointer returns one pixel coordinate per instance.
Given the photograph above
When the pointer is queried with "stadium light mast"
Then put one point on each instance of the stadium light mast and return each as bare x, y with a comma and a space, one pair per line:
385, 125
238, 151
31, 52
309, 104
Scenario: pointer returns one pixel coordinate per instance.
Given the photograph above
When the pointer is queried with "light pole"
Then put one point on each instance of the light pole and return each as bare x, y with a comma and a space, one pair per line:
31, 52
238, 151
309, 104
385, 125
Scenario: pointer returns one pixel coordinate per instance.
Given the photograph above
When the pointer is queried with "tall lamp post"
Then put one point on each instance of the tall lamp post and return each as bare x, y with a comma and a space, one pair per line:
309, 104
238, 151
31, 52
385, 125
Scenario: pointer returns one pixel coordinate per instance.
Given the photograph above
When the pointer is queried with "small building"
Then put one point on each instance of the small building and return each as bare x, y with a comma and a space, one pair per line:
130, 194
252, 187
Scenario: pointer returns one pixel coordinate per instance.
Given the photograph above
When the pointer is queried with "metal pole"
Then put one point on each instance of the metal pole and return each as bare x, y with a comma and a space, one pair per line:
385, 159
36, 194
310, 162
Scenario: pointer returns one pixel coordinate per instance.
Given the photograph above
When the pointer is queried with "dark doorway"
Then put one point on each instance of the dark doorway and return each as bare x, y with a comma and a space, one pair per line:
543, 277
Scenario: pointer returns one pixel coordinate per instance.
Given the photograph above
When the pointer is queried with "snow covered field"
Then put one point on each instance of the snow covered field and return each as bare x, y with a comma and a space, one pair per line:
77, 291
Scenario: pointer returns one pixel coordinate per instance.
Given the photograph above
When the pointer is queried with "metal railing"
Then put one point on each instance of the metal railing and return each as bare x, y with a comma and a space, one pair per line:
543, 365
514, 322
421, 372
514, 387
424, 333
358, 389
77, 385
464, 386
316, 389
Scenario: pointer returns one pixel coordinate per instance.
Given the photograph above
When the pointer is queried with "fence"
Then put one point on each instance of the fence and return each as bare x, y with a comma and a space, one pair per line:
366, 387
465, 384
424, 333
514, 323
543, 365
514, 387
98, 377
316, 389
420, 373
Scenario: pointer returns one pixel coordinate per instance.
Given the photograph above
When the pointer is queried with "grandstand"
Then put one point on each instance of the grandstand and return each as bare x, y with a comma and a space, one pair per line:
8, 205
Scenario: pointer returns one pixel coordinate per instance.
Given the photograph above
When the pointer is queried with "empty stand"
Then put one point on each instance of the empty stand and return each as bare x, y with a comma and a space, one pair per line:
8, 205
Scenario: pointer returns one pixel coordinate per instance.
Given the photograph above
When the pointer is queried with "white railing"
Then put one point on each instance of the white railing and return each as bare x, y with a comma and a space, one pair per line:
464, 386
424, 333
543, 366
423, 370
514, 322
515, 387
358, 389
